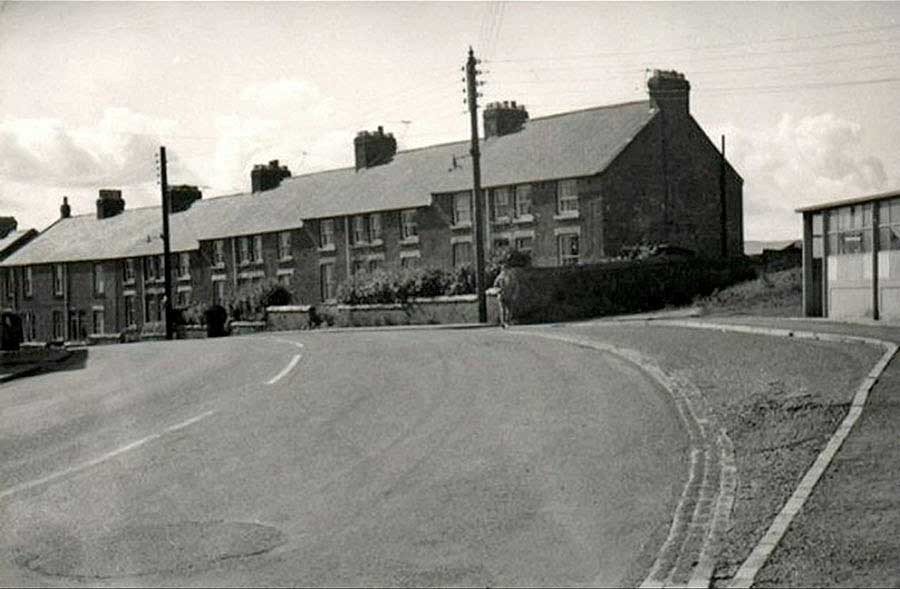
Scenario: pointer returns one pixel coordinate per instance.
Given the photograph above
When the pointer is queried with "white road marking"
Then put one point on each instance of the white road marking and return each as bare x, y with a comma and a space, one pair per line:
286, 369
100, 459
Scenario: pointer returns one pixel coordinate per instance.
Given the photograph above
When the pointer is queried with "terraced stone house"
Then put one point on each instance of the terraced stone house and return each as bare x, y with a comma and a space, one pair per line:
571, 188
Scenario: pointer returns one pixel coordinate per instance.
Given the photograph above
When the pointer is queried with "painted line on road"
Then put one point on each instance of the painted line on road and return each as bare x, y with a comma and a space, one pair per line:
101, 459
285, 370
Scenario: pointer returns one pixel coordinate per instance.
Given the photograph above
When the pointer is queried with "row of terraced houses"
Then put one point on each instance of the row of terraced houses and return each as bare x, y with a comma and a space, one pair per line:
572, 188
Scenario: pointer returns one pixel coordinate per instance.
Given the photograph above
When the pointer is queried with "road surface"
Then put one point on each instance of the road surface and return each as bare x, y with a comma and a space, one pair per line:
472, 457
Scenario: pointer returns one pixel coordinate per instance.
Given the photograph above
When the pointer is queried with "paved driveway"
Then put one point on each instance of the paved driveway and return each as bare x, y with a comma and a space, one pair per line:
394, 458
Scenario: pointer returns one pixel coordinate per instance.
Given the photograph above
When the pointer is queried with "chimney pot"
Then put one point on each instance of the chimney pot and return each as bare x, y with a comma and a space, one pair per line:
264, 177
65, 211
503, 118
373, 149
110, 203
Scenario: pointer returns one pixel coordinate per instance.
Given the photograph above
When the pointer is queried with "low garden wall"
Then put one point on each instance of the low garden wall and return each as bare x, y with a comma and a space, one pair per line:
247, 327
417, 311
288, 317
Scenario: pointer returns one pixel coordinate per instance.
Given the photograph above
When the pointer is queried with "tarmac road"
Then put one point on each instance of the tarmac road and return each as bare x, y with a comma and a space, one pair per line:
432, 457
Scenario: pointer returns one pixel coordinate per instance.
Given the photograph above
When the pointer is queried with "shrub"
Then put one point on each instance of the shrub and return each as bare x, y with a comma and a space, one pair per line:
250, 301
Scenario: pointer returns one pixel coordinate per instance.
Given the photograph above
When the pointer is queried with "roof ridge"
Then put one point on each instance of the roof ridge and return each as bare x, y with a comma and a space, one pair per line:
589, 108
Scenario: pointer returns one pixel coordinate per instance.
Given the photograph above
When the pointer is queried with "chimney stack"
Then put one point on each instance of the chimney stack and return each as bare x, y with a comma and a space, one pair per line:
65, 211
7, 226
110, 203
503, 118
374, 149
182, 197
670, 92
268, 177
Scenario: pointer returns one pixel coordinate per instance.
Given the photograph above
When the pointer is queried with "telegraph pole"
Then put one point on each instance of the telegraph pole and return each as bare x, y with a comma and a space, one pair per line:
472, 93
167, 250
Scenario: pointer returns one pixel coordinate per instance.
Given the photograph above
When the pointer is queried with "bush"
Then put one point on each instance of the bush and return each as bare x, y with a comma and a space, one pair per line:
250, 301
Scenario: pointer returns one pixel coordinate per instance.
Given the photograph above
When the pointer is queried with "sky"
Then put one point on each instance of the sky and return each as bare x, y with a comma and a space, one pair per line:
805, 93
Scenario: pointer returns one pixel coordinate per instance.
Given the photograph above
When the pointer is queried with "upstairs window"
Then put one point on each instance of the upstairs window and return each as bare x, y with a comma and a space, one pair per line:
58, 280
219, 252
567, 196
408, 227
184, 265
98, 279
523, 201
27, 281
359, 229
257, 248
284, 245
326, 281
375, 227
245, 244
128, 271
524, 244
326, 233
500, 203
462, 209
889, 225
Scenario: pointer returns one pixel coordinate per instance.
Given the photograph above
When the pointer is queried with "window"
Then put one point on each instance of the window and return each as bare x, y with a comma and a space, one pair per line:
850, 230
219, 292
374, 265
219, 252
524, 244
99, 320
184, 265
408, 226
128, 270
326, 277
182, 298
149, 272
98, 279
462, 253
129, 311
58, 280
57, 325
358, 229
160, 268
500, 243
257, 249
889, 225
29, 328
244, 250
409, 262
285, 279
501, 204
326, 233
523, 201
568, 249
462, 209
284, 245
10, 279
149, 304
28, 281
357, 267
567, 196
375, 227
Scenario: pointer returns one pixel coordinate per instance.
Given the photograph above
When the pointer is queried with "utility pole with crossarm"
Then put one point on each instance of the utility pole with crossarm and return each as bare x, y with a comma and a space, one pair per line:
472, 94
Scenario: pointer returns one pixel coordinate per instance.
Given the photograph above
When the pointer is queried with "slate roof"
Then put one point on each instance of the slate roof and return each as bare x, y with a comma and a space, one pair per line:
580, 143
756, 248
573, 144
12, 238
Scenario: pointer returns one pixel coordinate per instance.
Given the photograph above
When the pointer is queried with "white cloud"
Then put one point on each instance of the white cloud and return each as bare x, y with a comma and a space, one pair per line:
799, 162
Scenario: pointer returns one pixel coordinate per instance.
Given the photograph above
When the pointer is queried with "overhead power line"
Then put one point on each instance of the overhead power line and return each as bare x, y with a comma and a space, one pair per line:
706, 47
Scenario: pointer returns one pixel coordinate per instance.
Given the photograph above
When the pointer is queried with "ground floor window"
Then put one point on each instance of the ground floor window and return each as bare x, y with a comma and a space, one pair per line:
409, 262
219, 292
462, 253
99, 322
326, 280
183, 298
524, 244
374, 265
568, 249
129, 311
29, 329
57, 325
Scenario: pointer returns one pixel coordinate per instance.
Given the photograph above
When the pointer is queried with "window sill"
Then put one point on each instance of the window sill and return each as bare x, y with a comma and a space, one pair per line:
524, 219
461, 226
327, 248
219, 266
129, 282
567, 215
412, 240
286, 259
500, 221
183, 278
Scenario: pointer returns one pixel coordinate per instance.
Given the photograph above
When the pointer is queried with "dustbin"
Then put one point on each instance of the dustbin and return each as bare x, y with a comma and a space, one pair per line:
10, 331
216, 316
